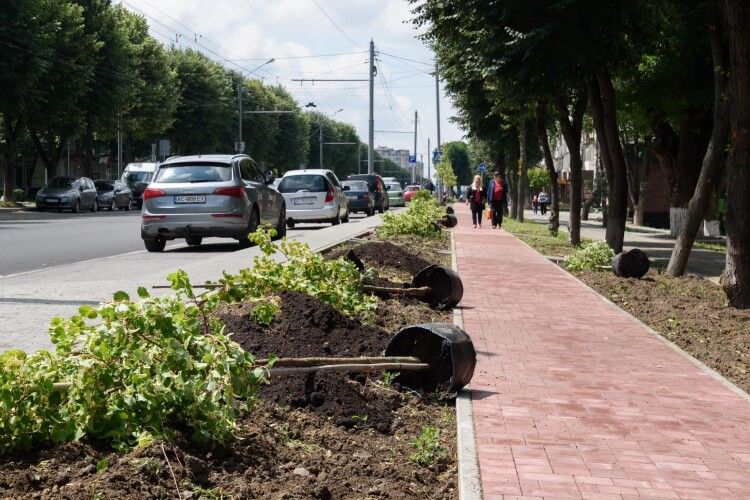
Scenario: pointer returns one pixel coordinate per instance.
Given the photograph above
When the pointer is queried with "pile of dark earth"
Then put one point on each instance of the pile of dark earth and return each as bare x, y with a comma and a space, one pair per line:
384, 254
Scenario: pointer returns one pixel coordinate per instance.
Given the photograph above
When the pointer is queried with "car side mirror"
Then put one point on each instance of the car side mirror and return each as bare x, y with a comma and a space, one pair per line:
270, 177
388, 188
347, 188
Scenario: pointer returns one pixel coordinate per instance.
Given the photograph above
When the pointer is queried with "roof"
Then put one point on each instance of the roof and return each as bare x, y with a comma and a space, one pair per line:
212, 158
141, 167
319, 171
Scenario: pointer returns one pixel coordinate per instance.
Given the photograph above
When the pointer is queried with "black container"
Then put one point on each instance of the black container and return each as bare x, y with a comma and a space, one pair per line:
445, 347
446, 287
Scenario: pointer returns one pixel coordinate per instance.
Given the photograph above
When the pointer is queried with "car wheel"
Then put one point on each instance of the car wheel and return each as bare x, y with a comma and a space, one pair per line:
336, 220
290, 224
252, 226
113, 206
370, 212
346, 217
281, 224
95, 205
155, 245
194, 241
76, 207
128, 206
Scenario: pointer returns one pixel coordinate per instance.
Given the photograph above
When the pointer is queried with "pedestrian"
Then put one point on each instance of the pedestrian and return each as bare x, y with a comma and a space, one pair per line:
535, 204
497, 196
475, 197
543, 200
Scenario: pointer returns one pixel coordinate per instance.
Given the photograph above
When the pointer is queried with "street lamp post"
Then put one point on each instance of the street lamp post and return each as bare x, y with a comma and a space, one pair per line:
240, 147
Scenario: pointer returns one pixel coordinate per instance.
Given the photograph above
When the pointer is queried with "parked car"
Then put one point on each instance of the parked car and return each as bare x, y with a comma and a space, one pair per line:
410, 191
68, 193
313, 195
112, 195
395, 194
137, 176
377, 188
225, 196
390, 180
359, 196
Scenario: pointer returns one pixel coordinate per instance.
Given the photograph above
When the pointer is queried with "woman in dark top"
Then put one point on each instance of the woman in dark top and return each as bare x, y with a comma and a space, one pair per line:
475, 197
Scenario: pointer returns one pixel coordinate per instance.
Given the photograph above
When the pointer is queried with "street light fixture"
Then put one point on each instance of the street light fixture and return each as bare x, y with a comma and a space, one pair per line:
240, 145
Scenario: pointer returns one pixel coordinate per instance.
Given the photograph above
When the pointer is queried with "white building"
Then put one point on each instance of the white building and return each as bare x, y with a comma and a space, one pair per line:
561, 154
398, 156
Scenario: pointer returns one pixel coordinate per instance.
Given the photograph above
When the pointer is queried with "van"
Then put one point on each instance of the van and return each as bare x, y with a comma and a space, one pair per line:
137, 176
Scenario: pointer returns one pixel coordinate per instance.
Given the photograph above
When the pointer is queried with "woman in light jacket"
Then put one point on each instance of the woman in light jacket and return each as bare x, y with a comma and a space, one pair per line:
475, 197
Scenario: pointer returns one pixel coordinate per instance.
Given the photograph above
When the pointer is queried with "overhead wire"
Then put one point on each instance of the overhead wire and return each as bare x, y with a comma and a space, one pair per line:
321, 9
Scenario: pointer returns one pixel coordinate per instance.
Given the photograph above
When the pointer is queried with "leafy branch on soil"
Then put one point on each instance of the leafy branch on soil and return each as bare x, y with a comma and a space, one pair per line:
337, 282
418, 219
150, 366
427, 446
589, 257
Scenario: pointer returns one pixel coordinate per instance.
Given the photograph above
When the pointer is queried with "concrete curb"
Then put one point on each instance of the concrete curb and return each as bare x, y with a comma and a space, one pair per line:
469, 483
704, 368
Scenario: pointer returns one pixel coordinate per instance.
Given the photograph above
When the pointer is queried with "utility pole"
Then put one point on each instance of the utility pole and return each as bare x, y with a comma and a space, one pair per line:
437, 106
429, 161
320, 138
414, 167
371, 142
239, 117
119, 146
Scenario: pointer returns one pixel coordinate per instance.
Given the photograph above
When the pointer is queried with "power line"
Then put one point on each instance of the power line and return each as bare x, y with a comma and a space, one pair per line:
336, 25
430, 64
299, 57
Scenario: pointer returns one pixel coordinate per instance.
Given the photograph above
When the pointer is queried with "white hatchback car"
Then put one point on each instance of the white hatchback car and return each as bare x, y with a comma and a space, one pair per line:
313, 195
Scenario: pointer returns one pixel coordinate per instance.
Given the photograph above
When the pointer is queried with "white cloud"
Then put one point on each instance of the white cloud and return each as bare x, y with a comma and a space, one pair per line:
260, 29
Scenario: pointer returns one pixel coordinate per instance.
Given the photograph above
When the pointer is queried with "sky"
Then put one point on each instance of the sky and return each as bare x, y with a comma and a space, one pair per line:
319, 39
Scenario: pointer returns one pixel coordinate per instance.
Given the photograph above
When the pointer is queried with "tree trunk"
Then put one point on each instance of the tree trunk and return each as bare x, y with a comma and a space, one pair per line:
736, 277
571, 126
711, 224
512, 180
711, 164
49, 159
10, 133
523, 179
618, 186
549, 162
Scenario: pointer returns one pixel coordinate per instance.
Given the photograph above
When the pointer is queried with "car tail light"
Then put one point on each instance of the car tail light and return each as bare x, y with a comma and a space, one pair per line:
149, 193
234, 192
365, 196
329, 195
154, 217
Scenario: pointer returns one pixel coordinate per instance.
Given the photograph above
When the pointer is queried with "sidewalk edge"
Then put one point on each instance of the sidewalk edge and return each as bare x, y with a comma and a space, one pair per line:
469, 483
679, 350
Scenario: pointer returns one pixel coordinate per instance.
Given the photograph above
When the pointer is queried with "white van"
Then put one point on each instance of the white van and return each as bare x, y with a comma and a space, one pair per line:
137, 176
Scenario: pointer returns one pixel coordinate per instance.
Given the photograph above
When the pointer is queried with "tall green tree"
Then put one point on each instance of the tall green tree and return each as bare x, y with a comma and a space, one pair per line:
458, 153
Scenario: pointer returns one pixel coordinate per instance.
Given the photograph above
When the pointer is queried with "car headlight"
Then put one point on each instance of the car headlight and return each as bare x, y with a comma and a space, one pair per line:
65, 198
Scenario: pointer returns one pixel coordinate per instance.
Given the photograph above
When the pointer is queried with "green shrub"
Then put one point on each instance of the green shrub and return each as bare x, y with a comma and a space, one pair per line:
18, 194
427, 446
419, 219
589, 257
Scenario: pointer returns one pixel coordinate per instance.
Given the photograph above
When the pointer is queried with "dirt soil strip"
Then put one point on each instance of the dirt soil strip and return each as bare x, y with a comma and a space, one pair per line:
469, 482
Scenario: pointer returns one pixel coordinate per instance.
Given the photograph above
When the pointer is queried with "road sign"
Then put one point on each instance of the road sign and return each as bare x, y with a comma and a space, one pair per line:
482, 168
436, 155
165, 147
413, 159
239, 147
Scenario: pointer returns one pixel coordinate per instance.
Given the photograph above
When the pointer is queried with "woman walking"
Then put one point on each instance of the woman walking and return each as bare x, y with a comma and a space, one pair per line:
475, 197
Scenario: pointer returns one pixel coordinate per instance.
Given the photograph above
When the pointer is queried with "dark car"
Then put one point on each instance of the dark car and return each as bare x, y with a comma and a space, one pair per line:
360, 198
377, 189
68, 193
112, 195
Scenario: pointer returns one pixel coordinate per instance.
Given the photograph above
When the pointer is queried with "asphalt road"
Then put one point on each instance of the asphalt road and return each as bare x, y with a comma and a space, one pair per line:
52, 263
31, 241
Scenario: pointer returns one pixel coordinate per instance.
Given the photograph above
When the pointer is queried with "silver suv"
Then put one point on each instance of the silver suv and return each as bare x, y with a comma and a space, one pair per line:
193, 197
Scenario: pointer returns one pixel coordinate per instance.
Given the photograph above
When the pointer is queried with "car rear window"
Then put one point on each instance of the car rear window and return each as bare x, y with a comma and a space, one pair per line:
394, 187
61, 182
412, 188
310, 183
356, 185
103, 186
133, 177
193, 173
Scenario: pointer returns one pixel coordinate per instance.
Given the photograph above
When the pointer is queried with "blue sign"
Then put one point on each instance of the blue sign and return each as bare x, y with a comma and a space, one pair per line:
482, 168
436, 155
412, 158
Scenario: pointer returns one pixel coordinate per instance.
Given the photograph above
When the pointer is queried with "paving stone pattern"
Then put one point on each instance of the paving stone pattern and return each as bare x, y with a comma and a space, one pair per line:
573, 398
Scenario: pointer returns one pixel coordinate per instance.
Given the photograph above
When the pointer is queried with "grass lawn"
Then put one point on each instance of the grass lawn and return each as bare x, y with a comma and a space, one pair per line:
713, 246
537, 235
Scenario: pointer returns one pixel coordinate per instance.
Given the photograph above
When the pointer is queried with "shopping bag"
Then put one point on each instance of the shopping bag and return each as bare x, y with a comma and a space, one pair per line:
488, 214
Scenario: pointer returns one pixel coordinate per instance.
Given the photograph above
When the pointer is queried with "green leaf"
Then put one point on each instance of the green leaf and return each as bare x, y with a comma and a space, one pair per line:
143, 293
120, 296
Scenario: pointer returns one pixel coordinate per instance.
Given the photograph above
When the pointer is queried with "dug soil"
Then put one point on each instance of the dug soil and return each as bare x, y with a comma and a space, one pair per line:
691, 312
330, 435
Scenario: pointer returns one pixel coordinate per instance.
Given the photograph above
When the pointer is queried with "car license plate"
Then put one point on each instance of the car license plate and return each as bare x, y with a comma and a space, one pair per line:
51, 200
303, 201
190, 199
353, 196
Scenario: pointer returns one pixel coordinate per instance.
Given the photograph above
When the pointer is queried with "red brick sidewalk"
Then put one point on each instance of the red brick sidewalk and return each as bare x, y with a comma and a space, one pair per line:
574, 398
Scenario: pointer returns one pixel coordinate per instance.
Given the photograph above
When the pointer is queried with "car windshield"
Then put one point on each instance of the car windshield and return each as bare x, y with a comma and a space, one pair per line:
61, 182
193, 173
412, 188
104, 185
356, 185
134, 177
310, 183
394, 187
